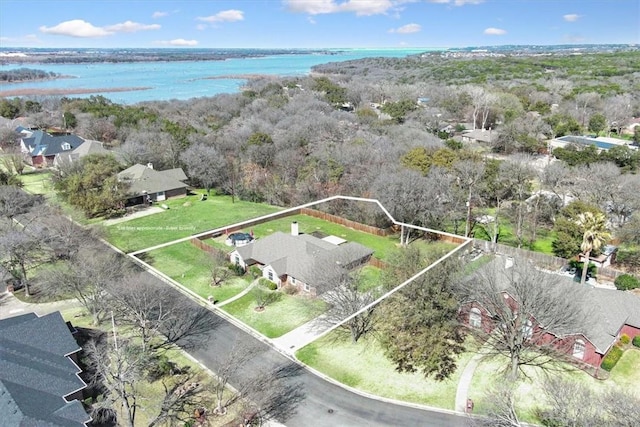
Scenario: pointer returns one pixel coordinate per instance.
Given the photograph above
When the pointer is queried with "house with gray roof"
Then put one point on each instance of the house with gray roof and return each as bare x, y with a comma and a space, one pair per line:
40, 148
301, 260
39, 379
147, 185
611, 313
88, 147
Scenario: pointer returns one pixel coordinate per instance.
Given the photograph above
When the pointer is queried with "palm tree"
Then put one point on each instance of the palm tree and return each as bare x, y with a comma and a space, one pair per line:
595, 234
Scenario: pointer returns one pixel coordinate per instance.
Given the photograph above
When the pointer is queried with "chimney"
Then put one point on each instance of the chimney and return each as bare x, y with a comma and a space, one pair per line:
508, 262
294, 228
150, 165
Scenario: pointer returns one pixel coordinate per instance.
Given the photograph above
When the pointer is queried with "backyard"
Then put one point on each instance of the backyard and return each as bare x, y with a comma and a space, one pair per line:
382, 245
184, 217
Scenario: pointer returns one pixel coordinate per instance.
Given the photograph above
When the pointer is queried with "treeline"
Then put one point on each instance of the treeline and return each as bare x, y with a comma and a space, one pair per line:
26, 74
293, 140
613, 67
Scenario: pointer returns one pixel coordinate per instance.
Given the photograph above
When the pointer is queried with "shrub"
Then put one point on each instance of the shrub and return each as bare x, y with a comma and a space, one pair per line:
289, 289
636, 341
611, 359
236, 268
591, 269
624, 339
626, 282
268, 284
255, 271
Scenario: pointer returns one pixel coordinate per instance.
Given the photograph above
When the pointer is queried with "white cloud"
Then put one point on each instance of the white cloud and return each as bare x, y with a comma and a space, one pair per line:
407, 29
76, 28
571, 17
359, 7
131, 27
159, 14
495, 31
178, 42
201, 27
231, 15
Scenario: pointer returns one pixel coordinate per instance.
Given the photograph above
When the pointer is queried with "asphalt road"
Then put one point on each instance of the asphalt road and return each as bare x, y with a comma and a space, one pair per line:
322, 402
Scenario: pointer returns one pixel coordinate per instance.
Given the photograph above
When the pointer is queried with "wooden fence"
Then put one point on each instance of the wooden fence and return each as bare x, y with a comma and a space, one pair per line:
198, 243
345, 222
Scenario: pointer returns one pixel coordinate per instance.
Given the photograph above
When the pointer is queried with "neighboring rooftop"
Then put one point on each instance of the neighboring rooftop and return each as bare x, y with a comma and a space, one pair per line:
146, 180
41, 143
36, 374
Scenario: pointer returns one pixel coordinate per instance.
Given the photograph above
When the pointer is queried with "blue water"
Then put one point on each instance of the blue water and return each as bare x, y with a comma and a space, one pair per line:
584, 141
184, 80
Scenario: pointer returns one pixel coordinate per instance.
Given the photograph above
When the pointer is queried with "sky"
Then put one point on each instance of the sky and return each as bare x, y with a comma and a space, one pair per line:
315, 23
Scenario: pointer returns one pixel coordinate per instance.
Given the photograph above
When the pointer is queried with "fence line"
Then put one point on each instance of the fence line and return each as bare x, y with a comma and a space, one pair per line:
544, 260
344, 222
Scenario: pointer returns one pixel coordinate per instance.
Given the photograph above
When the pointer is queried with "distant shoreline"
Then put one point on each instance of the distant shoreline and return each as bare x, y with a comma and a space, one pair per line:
239, 77
28, 92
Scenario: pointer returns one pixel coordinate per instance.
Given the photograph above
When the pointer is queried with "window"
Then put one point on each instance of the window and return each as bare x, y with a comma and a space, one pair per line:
237, 259
578, 349
307, 288
527, 329
270, 275
293, 279
66, 146
475, 318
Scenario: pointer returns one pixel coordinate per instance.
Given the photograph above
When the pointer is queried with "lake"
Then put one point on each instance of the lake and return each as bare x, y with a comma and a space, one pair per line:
185, 79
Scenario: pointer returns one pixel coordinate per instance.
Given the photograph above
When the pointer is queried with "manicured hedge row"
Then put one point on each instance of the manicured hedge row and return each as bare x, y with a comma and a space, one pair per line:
611, 359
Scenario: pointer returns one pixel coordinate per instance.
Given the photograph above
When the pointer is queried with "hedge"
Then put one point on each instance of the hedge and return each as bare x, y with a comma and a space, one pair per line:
611, 359
636, 341
626, 282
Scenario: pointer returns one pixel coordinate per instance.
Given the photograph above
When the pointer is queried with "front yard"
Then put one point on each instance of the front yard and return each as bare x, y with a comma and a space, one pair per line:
278, 318
188, 266
624, 376
364, 367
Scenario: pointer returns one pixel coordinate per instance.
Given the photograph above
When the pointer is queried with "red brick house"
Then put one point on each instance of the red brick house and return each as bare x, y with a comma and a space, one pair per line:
611, 313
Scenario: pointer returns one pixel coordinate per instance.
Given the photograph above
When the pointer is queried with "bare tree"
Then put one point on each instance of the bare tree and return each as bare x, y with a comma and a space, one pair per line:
86, 275
468, 176
20, 250
517, 175
15, 201
502, 408
272, 394
528, 313
205, 165
346, 298
117, 367
217, 262
158, 316
182, 395
572, 403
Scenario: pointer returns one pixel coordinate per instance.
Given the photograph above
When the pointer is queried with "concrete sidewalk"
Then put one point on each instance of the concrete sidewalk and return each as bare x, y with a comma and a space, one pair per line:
240, 295
302, 335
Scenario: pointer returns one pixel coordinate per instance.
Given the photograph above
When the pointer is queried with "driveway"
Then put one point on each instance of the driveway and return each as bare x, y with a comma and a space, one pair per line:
11, 306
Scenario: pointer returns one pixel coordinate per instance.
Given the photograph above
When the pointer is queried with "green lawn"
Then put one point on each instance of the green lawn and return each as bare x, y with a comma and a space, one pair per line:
364, 366
187, 265
278, 318
625, 376
544, 237
382, 246
185, 216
